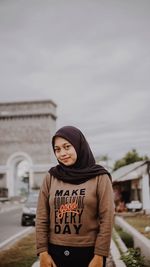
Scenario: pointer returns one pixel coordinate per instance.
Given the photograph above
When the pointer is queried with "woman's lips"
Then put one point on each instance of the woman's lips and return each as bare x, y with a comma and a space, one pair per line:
66, 159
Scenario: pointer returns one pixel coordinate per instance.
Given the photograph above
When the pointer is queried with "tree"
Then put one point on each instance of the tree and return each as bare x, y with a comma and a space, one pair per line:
130, 157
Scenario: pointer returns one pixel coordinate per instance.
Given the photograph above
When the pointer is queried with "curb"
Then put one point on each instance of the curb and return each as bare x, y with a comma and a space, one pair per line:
116, 255
9, 206
10, 241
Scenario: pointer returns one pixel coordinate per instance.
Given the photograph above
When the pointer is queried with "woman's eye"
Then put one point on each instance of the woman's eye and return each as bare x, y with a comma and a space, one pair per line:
67, 147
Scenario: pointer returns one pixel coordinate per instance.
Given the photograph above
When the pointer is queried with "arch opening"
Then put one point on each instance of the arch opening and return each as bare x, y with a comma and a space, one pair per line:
19, 174
21, 182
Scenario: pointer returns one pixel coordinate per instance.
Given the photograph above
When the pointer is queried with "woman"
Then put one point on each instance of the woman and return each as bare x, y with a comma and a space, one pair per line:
75, 208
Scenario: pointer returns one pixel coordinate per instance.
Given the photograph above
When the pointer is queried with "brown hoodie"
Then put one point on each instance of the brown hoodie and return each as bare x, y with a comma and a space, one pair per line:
75, 215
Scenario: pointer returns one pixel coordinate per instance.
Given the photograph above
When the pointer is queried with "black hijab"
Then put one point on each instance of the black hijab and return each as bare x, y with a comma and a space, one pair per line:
84, 167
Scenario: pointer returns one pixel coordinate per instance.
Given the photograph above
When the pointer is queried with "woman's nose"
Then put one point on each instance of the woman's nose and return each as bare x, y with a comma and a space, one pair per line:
63, 152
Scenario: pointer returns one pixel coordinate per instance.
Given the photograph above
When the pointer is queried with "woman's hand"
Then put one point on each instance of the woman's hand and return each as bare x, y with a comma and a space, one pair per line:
46, 260
97, 261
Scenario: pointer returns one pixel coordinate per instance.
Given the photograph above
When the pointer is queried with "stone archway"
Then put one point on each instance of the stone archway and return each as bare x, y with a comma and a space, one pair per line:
26, 129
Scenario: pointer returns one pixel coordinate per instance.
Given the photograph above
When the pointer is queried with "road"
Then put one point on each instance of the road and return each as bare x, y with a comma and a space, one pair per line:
10, 225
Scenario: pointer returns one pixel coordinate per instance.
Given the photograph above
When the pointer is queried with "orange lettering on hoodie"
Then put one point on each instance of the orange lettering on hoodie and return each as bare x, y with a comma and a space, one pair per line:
69, 207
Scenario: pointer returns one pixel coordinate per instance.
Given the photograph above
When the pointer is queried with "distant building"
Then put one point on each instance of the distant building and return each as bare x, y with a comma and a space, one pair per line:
26, 129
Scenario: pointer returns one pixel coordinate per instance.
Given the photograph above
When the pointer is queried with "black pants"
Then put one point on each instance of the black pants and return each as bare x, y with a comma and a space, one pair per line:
65, 256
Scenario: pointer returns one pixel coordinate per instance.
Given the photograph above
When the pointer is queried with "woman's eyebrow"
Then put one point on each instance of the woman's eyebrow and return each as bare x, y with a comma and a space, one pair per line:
67, 143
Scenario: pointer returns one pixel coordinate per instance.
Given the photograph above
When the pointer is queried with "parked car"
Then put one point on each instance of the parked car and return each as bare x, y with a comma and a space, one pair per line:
29, 209
134, 205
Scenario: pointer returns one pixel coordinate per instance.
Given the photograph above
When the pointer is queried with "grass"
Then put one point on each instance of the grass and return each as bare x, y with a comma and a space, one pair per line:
139, 222
21, 254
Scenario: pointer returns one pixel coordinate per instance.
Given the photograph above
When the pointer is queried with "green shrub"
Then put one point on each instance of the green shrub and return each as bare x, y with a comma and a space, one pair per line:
133, 258
126, 238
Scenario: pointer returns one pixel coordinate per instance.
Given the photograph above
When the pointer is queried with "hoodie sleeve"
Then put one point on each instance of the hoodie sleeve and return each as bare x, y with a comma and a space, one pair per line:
43, 217
105, 215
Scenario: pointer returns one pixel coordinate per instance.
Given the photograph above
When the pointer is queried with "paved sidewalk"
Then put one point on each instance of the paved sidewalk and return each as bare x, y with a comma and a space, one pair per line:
9, 205
109, 262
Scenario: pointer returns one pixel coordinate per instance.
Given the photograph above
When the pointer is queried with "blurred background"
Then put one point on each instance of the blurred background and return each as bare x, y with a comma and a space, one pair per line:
82, 63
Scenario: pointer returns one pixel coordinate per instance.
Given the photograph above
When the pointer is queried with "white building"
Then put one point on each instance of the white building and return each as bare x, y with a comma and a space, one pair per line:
132, 182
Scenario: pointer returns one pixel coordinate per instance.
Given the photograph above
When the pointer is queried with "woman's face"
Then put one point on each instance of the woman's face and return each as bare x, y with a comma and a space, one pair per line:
64, 151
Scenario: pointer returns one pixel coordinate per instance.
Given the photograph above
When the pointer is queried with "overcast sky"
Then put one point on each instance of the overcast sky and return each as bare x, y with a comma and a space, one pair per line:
92, 58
